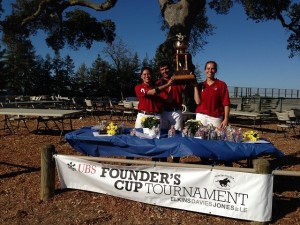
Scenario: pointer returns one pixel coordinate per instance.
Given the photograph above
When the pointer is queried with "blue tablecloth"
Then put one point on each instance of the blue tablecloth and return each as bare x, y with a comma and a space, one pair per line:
84, 141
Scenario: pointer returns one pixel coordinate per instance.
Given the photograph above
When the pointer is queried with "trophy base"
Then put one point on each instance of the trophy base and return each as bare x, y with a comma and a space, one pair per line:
184, 78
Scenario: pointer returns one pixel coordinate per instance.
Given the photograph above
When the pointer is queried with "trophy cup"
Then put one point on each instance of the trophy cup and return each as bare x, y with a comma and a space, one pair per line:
183, 74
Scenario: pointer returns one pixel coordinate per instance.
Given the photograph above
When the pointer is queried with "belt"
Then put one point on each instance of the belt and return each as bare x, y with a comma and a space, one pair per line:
148, 113
171, 110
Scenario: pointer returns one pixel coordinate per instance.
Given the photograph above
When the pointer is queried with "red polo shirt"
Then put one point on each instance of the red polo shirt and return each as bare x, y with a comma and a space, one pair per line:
149, 103
213, 98
176, 92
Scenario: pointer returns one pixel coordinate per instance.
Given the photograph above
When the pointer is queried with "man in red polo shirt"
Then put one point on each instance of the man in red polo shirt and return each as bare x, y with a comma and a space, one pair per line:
172, 110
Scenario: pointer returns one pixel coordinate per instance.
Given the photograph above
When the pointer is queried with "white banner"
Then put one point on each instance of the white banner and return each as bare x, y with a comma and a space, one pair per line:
225, 193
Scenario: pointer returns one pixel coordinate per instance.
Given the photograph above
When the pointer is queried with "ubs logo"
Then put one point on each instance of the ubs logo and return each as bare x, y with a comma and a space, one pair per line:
224, 182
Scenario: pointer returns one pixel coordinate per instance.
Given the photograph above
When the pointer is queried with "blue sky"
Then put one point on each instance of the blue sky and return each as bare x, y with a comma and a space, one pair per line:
249, 54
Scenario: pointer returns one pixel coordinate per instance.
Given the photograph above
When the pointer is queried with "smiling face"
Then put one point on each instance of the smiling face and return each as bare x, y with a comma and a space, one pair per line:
146, 76
165, 72
210, 70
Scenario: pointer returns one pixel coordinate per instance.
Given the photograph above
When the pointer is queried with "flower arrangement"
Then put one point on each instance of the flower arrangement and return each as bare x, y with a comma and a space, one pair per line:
193, 126
150, 122
250, 135
112, 128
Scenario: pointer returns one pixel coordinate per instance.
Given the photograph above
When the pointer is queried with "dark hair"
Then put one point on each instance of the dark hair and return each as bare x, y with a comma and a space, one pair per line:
146, 68
213, 62
164, 63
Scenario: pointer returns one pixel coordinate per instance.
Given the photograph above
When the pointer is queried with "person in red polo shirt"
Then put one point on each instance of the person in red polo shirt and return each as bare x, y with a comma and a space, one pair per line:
150, 97
213, 100
172, 108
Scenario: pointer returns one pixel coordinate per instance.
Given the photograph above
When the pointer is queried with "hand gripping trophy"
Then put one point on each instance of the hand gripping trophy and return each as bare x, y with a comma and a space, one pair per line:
183, 73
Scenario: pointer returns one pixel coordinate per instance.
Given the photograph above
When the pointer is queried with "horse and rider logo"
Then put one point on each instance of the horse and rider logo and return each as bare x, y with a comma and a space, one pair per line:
224, 182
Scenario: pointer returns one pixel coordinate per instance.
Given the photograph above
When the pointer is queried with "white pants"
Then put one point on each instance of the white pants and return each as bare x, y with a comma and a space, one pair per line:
138, 121
206, 120
172, 118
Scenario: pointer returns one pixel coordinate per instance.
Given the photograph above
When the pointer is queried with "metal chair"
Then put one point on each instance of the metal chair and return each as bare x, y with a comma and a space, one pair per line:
128, 110
90, 108
114, 111
135, 105
293, 117
183, 108
285, 123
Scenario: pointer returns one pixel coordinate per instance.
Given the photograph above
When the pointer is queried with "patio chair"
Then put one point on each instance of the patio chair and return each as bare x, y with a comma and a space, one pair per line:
128, 111
90, 107
284, 123
183, 108
135, 105
114, 111
293, 117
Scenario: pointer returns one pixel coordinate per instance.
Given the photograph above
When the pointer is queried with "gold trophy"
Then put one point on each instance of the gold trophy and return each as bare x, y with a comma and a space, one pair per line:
183, 74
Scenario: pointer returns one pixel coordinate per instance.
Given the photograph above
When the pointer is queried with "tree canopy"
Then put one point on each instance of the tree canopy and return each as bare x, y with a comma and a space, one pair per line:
63, 26
67, 23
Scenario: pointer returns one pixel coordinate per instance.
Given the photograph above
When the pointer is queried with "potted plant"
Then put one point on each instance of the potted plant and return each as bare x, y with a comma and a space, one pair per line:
192, 126
150, 123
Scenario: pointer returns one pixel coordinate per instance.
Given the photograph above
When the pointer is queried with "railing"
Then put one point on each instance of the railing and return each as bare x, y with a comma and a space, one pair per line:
263, 92
264, 104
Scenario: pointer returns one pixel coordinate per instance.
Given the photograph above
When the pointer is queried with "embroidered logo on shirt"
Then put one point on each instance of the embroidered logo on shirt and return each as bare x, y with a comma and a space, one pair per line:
143, 90
215, 88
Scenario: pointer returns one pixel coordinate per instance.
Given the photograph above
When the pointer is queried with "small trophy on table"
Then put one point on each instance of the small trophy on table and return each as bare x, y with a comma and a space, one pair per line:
183, 74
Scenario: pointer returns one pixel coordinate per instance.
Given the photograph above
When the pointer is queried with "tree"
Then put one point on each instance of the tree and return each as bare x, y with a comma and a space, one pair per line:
188, 18
81, 81
66, 23
43, 81
62, 21
1, 10
100, 75
125, 65
19, 66
286, 12
2, 51
61, 75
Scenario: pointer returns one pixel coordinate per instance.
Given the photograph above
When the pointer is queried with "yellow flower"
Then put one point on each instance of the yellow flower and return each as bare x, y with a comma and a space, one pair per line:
112, 128
250, 135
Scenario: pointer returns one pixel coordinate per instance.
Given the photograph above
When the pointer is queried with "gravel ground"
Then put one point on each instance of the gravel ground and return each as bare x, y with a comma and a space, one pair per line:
20, 186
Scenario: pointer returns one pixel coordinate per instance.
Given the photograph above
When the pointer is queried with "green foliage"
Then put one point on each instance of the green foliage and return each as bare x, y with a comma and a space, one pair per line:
25, 73
65, 25
287, 12
80, 30
150, 121
75, 28
221, 6
193, 125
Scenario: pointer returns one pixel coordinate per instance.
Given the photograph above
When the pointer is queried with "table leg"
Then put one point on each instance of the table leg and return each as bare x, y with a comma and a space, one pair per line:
254, 123
249, 163
7, 124
71, 123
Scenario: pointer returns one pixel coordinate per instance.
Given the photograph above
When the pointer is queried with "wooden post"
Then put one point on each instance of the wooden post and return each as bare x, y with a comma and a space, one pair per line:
261, 166
47, 172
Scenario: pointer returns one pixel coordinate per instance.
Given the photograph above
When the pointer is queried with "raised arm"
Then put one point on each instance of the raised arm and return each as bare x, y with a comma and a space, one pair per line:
196, 93
158, 89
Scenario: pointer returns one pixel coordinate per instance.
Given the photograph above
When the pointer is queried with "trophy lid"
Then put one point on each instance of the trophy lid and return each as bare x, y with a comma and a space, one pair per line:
181, 44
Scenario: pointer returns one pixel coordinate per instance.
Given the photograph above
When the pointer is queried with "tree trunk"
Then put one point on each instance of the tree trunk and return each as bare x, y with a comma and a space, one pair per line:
180, 17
